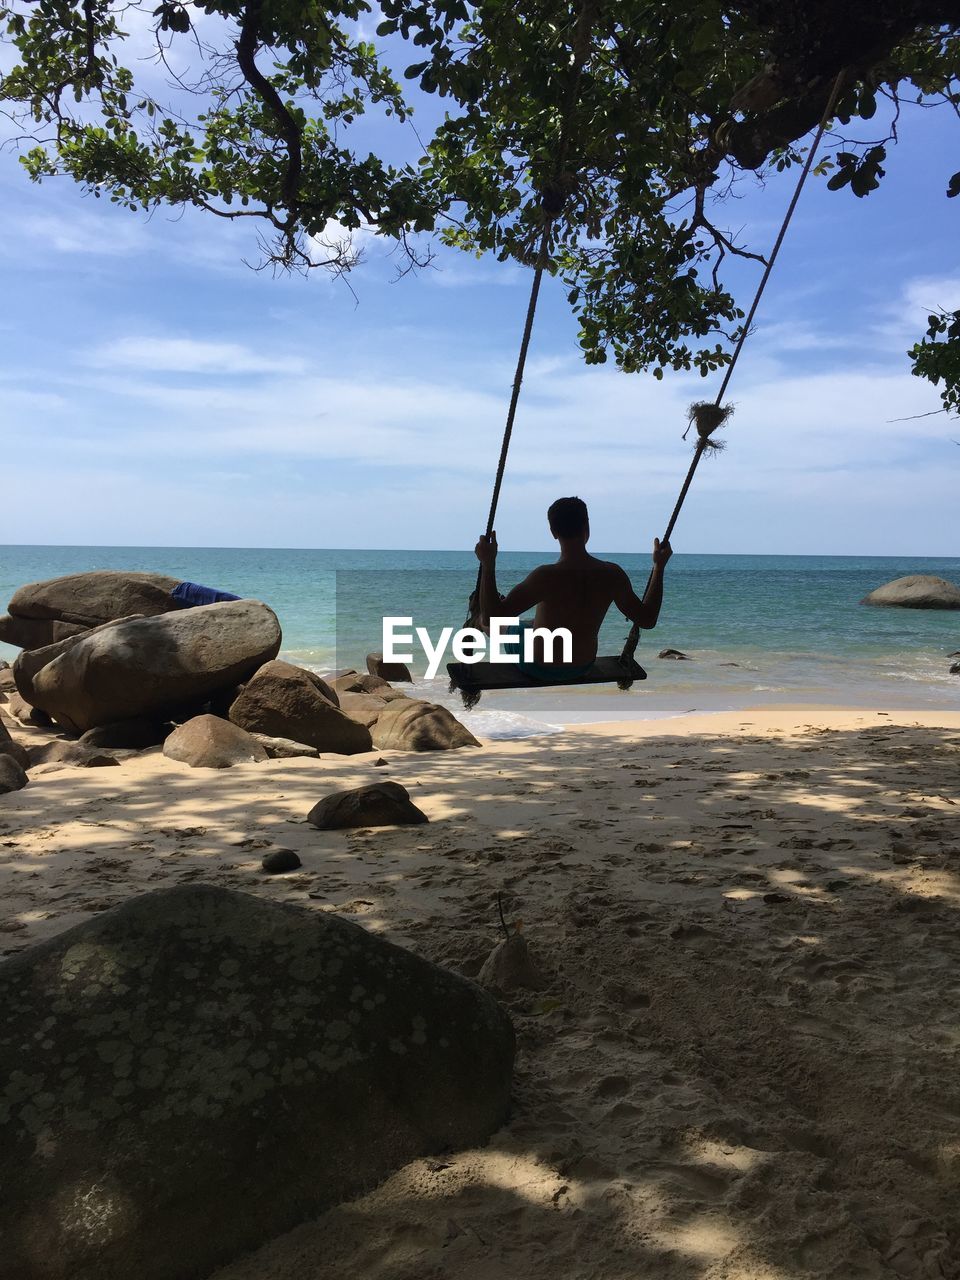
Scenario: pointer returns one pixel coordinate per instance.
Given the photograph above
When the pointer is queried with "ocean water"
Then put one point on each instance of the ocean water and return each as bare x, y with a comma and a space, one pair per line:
759, 629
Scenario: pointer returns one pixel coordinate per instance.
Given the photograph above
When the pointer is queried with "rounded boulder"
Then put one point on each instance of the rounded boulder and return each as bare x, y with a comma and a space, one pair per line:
916, 591
207, 742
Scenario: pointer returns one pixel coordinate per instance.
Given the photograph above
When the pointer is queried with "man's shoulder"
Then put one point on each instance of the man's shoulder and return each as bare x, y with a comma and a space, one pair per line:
609, 568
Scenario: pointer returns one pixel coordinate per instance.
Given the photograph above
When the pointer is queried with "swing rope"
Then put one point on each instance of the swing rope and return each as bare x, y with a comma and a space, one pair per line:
703, 441
552, 201
711, 415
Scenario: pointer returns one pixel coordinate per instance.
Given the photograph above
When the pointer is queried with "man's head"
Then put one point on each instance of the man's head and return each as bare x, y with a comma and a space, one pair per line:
568, 519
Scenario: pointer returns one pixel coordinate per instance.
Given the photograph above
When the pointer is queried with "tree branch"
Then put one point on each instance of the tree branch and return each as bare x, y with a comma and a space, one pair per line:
290, 131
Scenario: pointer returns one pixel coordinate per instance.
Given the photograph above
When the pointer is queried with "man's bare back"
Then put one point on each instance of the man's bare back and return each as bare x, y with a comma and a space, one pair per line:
577, 591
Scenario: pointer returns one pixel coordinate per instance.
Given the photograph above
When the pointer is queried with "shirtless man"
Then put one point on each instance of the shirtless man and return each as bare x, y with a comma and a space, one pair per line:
577, 590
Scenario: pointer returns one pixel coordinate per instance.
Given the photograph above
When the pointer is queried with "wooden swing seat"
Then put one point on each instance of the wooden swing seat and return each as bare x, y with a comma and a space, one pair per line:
477, 677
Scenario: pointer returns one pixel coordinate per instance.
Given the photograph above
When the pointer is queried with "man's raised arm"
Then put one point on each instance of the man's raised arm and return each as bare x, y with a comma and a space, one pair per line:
644, 612
492, 605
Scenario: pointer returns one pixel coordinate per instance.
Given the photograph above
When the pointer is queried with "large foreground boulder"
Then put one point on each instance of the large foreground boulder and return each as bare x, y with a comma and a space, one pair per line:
284, 701
916, 591
151, 666
379, 804
207, 742
411, 725
92, 598
196, 1071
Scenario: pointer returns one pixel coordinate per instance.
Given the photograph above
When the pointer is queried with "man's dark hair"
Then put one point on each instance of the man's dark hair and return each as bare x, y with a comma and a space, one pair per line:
567, 517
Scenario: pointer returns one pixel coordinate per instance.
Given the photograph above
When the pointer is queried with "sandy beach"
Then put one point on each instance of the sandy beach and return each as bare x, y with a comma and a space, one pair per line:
742, 1063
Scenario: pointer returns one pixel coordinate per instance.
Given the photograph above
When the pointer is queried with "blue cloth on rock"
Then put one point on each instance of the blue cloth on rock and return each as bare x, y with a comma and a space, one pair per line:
190, 594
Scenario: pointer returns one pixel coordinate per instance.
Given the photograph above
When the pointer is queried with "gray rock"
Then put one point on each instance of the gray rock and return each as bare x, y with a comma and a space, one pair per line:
916, 591
207, 742
25, 713
279, 861
676, 654
12, 778
412, 725
388, 670
284, 748
8, 681
27, 664
955, 669
61, 752
284, 701
365, 708
133, 735
353, 682
36, 633
150, 666
10, 747
91, 598
196, 1071
379, 804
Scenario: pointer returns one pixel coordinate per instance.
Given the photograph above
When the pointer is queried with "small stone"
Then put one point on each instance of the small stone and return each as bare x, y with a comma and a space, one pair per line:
279, 860
380, 763
380, 804
955, 669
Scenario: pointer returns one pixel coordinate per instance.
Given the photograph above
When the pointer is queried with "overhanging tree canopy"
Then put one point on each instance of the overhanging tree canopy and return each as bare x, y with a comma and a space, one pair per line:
630, 120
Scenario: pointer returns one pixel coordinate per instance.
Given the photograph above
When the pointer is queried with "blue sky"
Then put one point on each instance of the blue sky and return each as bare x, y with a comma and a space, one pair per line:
156, 391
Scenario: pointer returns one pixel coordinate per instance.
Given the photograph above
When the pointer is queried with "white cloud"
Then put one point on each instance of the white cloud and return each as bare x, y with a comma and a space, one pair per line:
191, 355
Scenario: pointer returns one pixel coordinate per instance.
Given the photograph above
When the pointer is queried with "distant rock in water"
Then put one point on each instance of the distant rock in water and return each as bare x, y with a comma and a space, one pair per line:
91, 598
916, 591
955, 669
676, 654
197, 1071
150, 667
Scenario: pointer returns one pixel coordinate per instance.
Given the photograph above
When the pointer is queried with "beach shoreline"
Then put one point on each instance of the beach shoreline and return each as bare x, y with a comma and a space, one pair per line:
741, 1065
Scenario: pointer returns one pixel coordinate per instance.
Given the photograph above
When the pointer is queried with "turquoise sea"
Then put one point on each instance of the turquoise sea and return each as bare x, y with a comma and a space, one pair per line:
793, 625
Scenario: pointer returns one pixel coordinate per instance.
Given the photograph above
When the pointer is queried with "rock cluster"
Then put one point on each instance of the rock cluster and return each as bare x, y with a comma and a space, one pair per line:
113, 660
